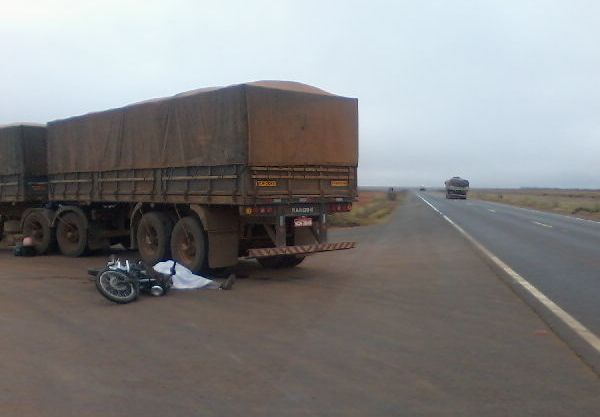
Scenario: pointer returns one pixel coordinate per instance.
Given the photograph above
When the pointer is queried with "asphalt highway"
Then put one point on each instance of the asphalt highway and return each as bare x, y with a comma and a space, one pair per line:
410, 323
558, 254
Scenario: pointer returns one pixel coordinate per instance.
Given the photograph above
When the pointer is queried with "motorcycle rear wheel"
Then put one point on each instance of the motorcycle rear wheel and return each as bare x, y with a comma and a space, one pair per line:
116, 286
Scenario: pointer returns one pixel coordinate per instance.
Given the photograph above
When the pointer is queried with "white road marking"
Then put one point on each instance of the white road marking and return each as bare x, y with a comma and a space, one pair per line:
542, 224
565, 317
492, 210
430, 205
562, 216
586, 220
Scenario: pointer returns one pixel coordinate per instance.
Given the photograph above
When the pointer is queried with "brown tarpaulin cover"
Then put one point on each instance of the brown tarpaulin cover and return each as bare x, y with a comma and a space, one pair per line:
457, 182
23, 150
272, 123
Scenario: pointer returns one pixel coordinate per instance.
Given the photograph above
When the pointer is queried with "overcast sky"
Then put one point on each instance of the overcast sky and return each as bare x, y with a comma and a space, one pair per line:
505, 93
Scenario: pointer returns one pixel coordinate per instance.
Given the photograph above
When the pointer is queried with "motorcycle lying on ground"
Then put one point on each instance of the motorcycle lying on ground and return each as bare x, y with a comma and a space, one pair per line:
122, 282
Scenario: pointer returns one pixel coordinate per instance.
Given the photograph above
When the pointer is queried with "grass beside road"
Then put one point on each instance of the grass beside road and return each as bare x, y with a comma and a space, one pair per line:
578, 203
372, 207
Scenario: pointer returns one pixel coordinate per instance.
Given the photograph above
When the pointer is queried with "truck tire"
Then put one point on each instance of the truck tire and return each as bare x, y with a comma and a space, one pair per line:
38, 228
272, 262
290, 261
281, 261
153, 235
189, 244
71, 234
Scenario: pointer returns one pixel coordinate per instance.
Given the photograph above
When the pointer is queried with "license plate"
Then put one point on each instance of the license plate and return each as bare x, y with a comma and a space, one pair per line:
302, 221
303, 210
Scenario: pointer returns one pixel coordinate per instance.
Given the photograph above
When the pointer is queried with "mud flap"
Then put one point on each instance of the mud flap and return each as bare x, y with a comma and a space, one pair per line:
222, 228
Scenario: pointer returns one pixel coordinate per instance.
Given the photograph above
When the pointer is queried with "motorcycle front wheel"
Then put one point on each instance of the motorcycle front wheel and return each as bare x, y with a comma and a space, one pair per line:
116, 286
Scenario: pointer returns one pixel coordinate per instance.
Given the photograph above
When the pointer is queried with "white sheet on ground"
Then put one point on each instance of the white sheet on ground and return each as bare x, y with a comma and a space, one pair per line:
184, 279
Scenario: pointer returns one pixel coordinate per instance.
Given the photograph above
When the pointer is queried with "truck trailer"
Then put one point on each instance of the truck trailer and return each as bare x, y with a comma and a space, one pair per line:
204, 177
456, 187
23, 181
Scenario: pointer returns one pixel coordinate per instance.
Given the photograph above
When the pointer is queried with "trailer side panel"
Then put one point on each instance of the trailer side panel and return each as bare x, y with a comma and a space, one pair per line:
242, 144
23, 163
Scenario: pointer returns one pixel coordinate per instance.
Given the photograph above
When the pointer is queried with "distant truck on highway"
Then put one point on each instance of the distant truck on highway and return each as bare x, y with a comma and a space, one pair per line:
457, 187
203, 177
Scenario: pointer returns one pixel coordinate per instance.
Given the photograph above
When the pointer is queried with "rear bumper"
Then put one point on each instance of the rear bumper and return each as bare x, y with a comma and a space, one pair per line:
300, 250
456, 193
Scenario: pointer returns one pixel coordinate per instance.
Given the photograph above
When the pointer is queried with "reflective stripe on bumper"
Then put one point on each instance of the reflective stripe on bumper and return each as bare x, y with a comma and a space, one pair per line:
300, 250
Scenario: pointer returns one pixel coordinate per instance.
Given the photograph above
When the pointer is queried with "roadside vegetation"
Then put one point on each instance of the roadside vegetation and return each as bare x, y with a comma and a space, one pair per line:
372, 207
578, 203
